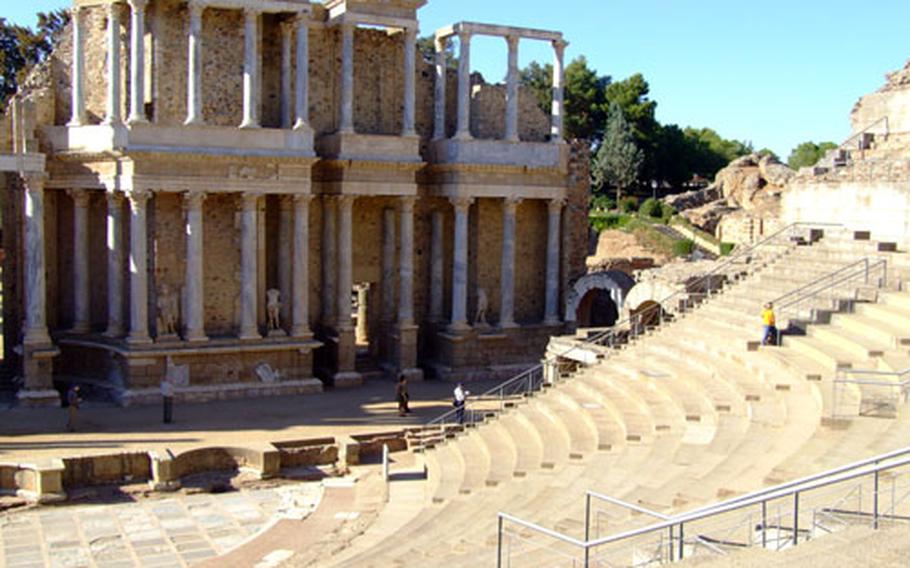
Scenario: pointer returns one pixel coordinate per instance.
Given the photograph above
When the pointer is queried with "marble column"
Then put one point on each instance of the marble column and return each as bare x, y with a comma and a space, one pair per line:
551, 309
439, 120
195, 260
300, 317
556, 128
507, 273
463, 128
345, 260
329, 235
194, 66
285, 264
78, 116
81, 291
410, 81
287, 108
113, 114
35, 283
437, 267
388, 265
406, 264
137, 61
460, 265
248, 270
139, 324
362, 331
347, 78
251, 79
512, 90
115, 250
302, 80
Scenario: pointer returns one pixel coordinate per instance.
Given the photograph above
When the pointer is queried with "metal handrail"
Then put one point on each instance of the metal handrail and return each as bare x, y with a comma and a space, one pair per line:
884, 119
780, 299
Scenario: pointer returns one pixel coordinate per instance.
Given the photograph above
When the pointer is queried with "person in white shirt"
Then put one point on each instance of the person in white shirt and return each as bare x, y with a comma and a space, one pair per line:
461, 397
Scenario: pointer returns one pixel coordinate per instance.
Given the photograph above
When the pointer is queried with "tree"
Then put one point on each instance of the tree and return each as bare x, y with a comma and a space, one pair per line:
21, 48
426, 46
808, 154
710, 152
618, 161
768, 152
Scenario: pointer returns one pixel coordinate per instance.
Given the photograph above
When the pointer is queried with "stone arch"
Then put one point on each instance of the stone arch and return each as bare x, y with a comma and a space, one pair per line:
614, 282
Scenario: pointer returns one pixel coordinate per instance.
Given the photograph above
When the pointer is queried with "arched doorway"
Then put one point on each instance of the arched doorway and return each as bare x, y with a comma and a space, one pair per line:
596, 300
597, 309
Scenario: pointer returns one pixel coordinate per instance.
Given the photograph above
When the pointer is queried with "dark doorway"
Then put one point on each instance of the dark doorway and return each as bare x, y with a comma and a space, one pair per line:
597, 309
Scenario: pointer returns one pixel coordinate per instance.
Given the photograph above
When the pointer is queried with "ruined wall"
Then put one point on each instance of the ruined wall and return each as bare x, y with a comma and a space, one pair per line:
488, 114
221, 246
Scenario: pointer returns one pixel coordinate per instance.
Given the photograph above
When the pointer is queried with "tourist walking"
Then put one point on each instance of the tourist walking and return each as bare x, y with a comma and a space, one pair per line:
769, 325
72, 403
167, 399
461, 399
402, 395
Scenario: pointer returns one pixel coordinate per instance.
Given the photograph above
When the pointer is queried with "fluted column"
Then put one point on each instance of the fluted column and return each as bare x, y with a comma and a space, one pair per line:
463, 129
195, 256
78, 116
507, 273
388, 265
248, 270
286, 102
285, 253
115, 255
300, 324
137, 61
556, 128
194, 66
347, 78
406, 263
251, 82
113, 115
345, 260
551, 309
437, 267
460, 265
512, 91
302, 80
439, 120
81, 315
35, 283
410, 81
139, 324
329, 272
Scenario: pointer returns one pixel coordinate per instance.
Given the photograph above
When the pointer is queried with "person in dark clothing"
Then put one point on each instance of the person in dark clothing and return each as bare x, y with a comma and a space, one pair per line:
167, 399
402, 396
72, 402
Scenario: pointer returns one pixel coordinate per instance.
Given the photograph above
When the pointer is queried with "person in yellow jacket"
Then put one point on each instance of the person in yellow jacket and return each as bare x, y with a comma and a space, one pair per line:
769, 325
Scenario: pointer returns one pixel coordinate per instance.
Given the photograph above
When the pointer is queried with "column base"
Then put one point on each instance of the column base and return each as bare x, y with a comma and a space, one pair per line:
507, 325
193, 122
249, 335
113, 332
250, 125
463, 136
33, 398
458, 327
301, 333
139, 340
347, 379
196, 338
36, 337
554, 321
136, 120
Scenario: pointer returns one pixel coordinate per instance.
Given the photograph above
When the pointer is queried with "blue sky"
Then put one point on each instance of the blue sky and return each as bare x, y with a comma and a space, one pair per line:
776, 72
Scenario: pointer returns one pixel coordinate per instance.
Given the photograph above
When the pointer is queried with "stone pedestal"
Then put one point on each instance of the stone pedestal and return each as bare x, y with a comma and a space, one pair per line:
38, 373
345, 374
406, 352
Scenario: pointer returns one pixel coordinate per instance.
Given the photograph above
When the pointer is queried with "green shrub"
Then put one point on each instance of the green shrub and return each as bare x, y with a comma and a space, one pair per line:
651, 208
610, 221
666, 213
601, 203
726, 248
683, 247
628, 204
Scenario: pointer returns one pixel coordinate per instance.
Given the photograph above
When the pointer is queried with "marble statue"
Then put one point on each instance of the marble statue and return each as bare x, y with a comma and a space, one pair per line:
480, 317
168, 311
273, 309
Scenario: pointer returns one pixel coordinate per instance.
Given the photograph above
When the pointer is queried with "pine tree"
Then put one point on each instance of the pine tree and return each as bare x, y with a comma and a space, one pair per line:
619, 160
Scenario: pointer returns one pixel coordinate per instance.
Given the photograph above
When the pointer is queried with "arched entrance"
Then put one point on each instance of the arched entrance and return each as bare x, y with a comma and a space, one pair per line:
596, 300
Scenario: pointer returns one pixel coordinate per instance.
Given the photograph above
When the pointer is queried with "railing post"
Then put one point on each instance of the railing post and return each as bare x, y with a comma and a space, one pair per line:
588, 516
499, 543
875, 499
682, 542
795, 518
670, 544
587, 555
764, 524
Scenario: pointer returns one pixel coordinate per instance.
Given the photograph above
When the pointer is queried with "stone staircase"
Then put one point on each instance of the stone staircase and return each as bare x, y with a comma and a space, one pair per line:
679, 418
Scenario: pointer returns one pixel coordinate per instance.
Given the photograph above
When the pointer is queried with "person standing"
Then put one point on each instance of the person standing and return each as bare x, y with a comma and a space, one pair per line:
769, 325
72, 403
402, 395
461, 400
167, 399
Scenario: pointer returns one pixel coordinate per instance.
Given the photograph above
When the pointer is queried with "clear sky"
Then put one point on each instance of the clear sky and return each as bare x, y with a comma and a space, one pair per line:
776, 72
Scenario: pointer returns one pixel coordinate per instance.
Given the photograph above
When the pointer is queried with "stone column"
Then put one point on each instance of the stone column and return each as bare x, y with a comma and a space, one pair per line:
362, 332
439, 121
250, 69
35, 283
460, 265
81, 315
328, 260
194, 67
113, 115
388, 265
300, 325
345, 260
248, 281
512, 90
115, 250
410, 81
551, 310
137, 62
286, 101
139, 324
507, 274
78, 117
463, 130
556, 128
195, 260
285, 245
302, 80
347, 78
406, 264
437, 268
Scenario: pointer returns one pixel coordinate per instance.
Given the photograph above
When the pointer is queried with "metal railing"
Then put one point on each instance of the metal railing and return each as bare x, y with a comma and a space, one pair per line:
624, 331
776, 517
869, 392
843, 145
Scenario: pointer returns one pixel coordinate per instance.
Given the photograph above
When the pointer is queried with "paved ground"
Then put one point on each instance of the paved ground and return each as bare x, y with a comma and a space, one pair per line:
173, 531
40, 433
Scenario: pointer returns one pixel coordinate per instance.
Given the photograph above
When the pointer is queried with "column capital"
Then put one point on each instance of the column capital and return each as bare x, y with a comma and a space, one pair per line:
137, 5
461, 202
193, 199
79, 196
465, 36
139, 197
347, 26
287, 27
555, 205
407, 203
113, 9
196, 9
559, 46
76, 11
441, 43
34, 180
510, 204
114, 197
411, 33
303, 197
512, 41
345, 200
301, 18
251, 13
249, 199
285, 202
